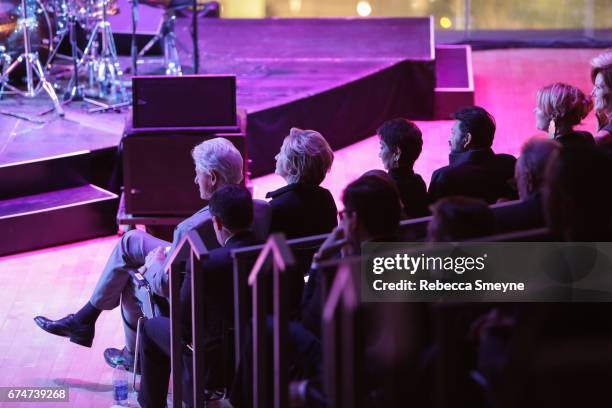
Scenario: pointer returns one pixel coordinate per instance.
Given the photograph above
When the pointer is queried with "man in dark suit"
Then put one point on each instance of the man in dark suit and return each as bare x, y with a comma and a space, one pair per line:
232, 214
474, 170
527, 213
217, 163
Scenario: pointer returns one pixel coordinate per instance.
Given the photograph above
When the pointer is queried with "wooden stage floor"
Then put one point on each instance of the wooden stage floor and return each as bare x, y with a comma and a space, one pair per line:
59, 280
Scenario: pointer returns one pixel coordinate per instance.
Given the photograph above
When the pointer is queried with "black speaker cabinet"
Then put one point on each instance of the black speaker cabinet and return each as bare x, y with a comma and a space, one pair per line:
184, 101
159, 173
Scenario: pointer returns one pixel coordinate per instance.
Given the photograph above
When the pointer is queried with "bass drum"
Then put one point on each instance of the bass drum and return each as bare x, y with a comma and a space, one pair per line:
11, 35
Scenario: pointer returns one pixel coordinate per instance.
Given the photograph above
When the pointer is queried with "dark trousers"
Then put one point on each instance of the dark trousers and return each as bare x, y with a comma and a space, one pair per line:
155, 368
305, 361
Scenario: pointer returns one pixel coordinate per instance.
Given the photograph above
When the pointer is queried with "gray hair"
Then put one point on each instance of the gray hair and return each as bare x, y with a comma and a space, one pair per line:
308, 156
219, 155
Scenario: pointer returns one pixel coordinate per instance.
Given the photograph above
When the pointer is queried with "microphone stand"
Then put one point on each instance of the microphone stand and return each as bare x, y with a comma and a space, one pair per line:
134, 47
194, 33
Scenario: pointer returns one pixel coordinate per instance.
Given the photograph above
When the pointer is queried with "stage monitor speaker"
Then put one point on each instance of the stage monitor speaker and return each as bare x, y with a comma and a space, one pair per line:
158, 171
184, 101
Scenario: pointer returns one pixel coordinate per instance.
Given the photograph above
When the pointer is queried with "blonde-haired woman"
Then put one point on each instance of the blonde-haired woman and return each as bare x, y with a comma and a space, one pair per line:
302, 207
559, 108
601, 75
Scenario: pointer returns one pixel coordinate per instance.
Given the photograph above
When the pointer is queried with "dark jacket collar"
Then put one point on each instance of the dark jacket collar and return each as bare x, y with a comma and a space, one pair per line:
472, 155
240, 237
401, 172
290, 187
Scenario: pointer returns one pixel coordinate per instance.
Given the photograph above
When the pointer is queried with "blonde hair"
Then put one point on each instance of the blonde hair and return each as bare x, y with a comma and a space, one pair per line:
563, 102
602, 63
307, 156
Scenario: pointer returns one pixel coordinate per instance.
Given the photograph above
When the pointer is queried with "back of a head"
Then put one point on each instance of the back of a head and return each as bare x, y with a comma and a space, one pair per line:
577, 194
233, 205
222, 157
564, 103
531, 164
376, 203
459, 219
308, 156
404, 135
476, 121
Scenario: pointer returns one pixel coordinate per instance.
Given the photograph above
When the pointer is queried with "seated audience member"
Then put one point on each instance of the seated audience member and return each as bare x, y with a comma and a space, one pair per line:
372, 211
601, 75
459, 219
231, 208
529, 175
559, 108
576, 195
217, 163
302, 207
401, 143
474, 170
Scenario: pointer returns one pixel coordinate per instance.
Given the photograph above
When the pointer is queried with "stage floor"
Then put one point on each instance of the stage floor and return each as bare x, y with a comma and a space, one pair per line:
505, 81
276, 62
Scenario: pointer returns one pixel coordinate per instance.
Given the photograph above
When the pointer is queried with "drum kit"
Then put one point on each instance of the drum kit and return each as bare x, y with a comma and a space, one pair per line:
31, 33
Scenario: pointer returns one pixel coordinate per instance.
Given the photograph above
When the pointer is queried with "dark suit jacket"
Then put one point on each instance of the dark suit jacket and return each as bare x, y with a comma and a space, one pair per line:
413, 191
521, 215
577, 138
478, 173
300, 210
218, 291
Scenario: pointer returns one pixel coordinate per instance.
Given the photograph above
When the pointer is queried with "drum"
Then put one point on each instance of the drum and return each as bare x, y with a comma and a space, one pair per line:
11, 35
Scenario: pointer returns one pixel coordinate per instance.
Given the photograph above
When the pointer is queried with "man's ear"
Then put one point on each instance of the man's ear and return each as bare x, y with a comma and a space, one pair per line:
213, 177
217, 222
467, 140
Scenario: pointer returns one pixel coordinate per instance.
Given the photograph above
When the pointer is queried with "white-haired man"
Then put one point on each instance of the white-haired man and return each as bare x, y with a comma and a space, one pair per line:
217, 163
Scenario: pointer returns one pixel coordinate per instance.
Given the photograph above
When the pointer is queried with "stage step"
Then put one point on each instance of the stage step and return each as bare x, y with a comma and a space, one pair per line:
56, 217
454, 79
45, 174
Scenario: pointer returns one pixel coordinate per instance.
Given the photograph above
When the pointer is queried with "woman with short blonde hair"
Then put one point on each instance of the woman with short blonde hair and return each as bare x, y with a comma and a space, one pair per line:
559, 108
305, 157
302, 207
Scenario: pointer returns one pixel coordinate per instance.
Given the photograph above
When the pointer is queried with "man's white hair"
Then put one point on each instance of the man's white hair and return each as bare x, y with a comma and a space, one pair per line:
219, 155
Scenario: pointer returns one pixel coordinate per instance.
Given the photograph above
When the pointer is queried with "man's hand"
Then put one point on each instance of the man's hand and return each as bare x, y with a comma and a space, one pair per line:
332, 245
155, 256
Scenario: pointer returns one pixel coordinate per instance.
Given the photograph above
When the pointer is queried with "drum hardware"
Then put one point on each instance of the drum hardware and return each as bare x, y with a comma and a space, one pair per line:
104, 71
134, 44
32, 64
167, 38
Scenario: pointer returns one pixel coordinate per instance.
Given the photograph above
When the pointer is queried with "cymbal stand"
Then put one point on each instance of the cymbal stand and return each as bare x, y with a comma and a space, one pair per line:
33, 68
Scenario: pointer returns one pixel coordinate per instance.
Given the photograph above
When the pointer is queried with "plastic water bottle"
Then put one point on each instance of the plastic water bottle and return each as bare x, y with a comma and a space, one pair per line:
120, 384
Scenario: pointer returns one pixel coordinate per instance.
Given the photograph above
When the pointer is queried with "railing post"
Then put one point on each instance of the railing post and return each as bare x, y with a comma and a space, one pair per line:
191, 245
276, 249
342, 341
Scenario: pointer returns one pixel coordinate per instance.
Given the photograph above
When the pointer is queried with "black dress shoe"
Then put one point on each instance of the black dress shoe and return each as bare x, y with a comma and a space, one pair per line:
78, 333
114, 357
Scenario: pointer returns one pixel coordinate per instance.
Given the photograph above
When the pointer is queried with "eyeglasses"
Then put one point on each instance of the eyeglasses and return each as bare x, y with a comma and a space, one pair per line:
343, 213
